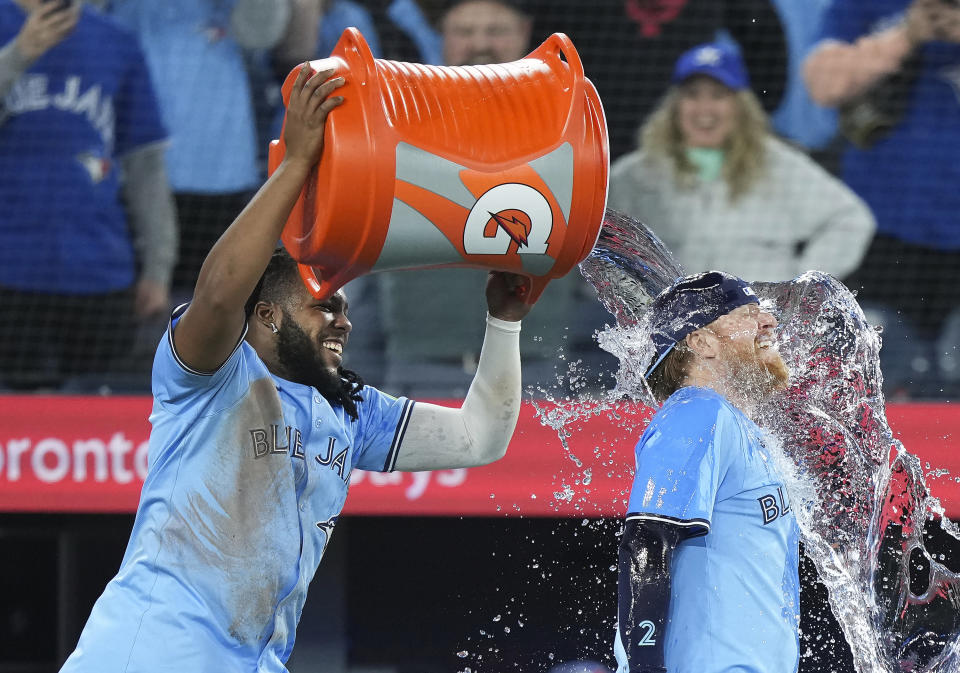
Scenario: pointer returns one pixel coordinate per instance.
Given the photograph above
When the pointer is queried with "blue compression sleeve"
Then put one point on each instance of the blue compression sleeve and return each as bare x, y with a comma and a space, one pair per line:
643, 589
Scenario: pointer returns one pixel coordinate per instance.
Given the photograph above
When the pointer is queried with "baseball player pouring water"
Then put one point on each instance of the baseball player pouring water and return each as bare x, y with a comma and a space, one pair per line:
709, 579
256, 427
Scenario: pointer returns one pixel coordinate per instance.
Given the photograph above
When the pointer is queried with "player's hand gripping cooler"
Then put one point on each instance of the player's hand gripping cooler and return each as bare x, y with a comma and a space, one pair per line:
499, 167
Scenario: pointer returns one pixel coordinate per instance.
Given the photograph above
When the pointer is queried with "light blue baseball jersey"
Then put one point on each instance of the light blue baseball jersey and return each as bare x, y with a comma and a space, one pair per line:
735, 599
247, 474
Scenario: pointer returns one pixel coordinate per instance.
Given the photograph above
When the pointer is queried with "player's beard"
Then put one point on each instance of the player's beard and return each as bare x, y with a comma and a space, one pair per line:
299, 358
758, 372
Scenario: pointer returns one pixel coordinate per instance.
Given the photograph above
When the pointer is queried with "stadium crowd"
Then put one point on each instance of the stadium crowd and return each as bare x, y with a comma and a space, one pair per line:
813, 134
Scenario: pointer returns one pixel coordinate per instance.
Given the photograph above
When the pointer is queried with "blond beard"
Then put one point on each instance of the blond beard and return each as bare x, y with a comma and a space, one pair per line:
756, 374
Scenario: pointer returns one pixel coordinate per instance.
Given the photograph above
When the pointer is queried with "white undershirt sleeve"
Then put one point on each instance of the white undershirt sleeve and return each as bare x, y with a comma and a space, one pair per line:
479, 431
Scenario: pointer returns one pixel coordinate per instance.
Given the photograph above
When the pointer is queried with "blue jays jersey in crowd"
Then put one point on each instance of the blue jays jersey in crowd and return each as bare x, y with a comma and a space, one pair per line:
63, 125
247, 474
734, 604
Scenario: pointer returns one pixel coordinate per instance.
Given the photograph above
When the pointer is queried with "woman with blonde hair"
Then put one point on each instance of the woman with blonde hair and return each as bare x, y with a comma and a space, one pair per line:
724, 193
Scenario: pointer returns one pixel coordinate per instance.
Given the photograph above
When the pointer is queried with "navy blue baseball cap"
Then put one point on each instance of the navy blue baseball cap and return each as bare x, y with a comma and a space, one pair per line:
691, 303
715, 59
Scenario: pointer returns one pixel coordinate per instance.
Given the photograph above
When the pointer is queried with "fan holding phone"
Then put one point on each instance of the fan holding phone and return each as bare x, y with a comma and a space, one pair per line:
82, 251
893, 67
48, 23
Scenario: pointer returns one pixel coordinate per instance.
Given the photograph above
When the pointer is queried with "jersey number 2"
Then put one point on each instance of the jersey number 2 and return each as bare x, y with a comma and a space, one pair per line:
647, 638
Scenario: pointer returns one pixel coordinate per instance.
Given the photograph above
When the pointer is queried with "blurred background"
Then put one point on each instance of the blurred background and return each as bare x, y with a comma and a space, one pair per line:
822, 136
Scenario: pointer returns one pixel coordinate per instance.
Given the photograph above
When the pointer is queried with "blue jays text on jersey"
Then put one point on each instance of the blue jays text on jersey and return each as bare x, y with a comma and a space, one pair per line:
266, 441
33, 92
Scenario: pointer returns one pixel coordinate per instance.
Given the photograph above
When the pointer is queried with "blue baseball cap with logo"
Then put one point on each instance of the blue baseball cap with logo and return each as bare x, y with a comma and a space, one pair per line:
720, 61
690, 303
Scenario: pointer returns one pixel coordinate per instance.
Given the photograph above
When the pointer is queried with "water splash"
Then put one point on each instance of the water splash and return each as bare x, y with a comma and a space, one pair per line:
863, 501
859, 496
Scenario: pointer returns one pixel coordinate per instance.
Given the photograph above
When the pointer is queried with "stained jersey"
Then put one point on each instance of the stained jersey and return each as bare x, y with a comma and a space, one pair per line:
735, 598
247, 475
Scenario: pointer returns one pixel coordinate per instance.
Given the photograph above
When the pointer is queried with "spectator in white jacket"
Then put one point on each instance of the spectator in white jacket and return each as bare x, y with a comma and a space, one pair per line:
724, 193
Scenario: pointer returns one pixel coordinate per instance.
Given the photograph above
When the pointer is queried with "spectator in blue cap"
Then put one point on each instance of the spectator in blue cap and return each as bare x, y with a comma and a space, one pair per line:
723, 192
708, 561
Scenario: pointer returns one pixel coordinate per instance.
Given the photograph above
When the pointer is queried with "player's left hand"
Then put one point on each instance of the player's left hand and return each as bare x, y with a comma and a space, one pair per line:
506, 293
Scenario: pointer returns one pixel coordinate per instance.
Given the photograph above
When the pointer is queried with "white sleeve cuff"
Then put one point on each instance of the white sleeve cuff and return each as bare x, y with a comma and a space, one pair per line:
511, 326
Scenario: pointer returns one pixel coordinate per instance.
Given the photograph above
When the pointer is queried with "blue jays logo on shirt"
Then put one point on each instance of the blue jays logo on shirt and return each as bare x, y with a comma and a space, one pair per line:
327, 528
97, 167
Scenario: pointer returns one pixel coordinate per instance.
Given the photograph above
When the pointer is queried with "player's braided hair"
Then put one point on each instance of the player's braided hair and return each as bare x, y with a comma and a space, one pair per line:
277, 284
351, 385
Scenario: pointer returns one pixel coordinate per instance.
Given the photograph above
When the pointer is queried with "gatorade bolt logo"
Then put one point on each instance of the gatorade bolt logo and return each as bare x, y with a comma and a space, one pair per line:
508, 214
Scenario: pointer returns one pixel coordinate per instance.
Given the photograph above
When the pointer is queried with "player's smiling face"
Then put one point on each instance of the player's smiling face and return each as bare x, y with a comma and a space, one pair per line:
746, 325
749, 348
312, 338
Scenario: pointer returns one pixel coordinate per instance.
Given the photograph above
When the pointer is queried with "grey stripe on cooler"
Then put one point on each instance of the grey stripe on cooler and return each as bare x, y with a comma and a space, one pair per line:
556, 169
436, 174
412, 241
537, 265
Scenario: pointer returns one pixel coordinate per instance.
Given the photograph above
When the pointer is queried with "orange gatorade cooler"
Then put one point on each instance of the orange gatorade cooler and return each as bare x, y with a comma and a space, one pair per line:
499, 167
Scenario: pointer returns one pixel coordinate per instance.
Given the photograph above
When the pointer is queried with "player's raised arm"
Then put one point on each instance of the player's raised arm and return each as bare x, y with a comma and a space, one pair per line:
208, 331
478, 432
